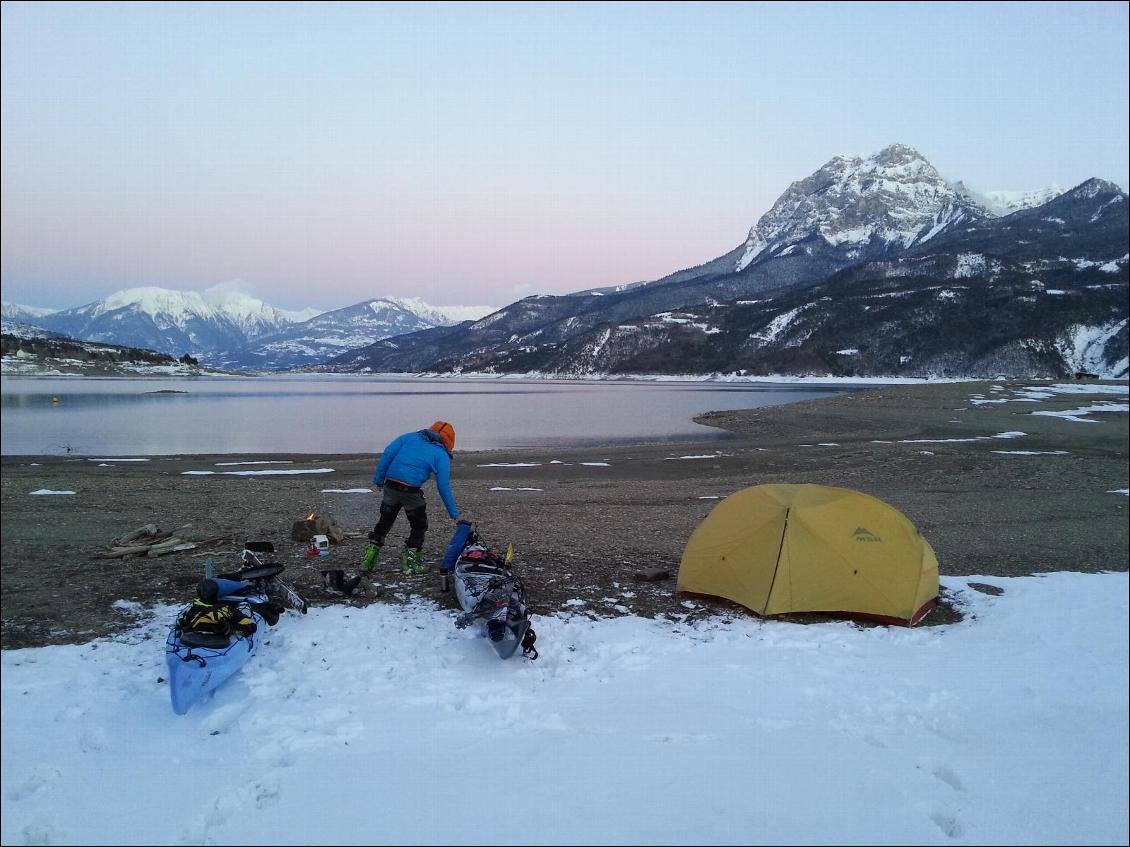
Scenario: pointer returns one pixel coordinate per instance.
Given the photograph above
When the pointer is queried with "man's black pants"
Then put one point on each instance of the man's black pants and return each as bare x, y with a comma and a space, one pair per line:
399, 496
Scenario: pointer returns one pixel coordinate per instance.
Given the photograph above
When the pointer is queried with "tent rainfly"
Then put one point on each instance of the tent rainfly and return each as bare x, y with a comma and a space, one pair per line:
812, 548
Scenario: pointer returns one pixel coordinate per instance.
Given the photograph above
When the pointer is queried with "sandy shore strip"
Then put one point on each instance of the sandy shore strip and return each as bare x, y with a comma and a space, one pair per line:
1002, 478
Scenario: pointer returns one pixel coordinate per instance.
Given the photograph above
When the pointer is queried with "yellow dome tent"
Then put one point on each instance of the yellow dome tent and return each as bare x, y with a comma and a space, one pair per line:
812, 548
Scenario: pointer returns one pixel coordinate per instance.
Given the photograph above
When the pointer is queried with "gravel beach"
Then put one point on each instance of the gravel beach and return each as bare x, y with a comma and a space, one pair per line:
996, 486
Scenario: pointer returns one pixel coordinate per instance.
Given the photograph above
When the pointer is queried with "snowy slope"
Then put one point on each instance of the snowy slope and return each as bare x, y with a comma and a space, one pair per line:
387, 725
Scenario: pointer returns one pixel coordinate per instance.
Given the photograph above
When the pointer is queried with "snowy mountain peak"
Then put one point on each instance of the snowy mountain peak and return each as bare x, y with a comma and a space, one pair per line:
1093, 187
1003, 203
409, 306
861, 207
441, 315
178, 306
18, 312
251, 314
221, 304
335, 332
897, 155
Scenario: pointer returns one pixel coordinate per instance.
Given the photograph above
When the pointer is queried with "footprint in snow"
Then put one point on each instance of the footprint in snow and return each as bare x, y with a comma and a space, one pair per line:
39, 780
93, 739
70, 713
948, 824
948, 777
43, 833
681, 738
260, 794
224, 717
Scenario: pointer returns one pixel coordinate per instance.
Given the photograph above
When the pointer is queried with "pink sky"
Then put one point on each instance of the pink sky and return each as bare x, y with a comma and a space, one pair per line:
471, 154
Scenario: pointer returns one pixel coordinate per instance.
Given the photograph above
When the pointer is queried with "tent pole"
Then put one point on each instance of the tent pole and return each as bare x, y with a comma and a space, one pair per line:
777, 564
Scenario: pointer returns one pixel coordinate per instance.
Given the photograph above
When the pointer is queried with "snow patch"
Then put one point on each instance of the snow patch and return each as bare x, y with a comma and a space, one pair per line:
264, 462
256, 473
777, 326
1084, 349
969, 265
1032, 452
1079, 415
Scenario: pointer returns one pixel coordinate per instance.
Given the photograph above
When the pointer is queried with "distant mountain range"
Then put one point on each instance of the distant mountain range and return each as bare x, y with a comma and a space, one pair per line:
230, 330
871, 266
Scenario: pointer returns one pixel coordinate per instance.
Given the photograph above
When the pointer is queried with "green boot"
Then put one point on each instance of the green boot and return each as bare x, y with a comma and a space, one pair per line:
406, 560
416, 560
369, 560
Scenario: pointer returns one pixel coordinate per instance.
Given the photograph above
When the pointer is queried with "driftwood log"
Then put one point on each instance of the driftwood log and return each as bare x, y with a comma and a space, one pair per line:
149, 541
147, 531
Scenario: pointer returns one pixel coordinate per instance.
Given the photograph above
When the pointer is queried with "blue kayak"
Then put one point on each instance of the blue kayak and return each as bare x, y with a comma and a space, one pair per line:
216, 634
201, 658
198, 664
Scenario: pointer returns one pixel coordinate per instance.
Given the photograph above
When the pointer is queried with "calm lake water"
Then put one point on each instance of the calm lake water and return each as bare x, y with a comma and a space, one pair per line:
354, 414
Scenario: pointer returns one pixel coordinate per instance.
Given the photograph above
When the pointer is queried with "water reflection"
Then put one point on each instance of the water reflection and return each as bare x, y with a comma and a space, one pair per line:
334, 414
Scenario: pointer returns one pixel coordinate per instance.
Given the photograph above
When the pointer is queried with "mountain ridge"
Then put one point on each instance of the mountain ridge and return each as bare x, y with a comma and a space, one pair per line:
888, 222
227, 328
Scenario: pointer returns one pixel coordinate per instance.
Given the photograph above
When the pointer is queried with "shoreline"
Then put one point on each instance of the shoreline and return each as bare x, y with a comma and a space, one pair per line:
9, 370
585, 520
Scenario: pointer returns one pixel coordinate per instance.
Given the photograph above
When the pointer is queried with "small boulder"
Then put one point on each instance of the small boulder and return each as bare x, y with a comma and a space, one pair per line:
307, 528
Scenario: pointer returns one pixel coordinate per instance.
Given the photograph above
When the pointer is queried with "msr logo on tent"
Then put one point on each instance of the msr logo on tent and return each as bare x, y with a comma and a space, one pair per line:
862, 534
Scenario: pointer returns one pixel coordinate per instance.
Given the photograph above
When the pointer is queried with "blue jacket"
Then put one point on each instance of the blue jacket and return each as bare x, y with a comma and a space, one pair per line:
412, 458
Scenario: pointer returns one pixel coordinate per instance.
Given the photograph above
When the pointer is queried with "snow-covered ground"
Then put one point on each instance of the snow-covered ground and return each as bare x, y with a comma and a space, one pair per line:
387, 724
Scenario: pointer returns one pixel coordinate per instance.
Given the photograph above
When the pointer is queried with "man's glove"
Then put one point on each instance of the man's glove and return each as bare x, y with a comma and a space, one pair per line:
465, 620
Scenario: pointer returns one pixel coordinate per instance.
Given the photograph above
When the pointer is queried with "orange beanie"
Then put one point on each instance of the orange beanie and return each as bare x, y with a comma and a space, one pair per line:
446, 432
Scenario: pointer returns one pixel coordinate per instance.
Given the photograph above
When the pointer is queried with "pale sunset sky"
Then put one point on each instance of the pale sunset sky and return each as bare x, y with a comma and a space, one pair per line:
320, 154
